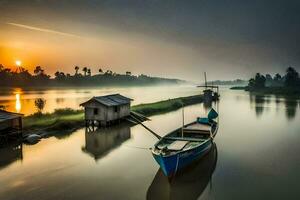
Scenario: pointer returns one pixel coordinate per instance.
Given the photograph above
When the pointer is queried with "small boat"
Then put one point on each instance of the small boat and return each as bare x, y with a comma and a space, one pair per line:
181, 147
32, 139
189, 183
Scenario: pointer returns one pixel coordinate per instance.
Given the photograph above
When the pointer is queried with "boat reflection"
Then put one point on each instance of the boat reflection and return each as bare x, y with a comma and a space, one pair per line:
207, 105
100, 142
188, 183
10, 153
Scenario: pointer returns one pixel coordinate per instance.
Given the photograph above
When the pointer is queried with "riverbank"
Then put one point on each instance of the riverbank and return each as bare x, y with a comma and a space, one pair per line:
64, 121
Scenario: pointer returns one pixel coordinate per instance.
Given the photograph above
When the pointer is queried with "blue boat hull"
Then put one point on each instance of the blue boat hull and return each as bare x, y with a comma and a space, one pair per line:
171, 164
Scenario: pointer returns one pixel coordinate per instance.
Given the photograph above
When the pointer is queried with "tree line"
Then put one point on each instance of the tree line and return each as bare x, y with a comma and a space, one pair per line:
290, 80
22, 77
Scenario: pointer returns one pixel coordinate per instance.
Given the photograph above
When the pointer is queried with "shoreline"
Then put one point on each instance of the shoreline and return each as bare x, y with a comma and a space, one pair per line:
62, 122
34, 87
277, 91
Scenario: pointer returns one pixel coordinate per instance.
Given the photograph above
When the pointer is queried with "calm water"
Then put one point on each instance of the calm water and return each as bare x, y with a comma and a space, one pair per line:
256, 157
22, 101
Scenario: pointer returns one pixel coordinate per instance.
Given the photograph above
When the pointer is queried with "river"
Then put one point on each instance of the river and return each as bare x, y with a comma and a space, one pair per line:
256, 154
22, 100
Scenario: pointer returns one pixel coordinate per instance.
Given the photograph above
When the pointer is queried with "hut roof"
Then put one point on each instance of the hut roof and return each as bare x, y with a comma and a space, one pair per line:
5, 115
110, 100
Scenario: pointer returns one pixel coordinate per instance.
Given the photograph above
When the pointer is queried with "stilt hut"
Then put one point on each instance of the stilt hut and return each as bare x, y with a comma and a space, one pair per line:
10, 124
104, 110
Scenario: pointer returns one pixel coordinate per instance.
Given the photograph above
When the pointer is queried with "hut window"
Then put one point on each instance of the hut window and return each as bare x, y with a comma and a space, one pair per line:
95, 111
116, 108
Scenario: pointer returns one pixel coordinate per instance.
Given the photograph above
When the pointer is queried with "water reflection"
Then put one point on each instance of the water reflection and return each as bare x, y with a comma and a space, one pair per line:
188, 184
18, 102
207, 105
59, 169
258, 101
60, 100
71, 97
10, 153
291, 108
101, 141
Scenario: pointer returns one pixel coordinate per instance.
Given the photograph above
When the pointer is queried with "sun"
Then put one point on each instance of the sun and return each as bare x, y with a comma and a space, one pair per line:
18, 63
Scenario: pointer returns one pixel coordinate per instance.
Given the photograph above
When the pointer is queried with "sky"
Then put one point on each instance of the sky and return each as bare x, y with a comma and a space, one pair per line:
228, 39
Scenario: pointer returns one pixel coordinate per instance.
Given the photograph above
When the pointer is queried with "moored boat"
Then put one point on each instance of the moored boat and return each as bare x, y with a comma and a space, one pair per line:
189, 183
184, 145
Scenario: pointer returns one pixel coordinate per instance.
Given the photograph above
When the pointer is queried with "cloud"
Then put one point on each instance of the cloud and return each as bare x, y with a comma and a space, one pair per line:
43, 30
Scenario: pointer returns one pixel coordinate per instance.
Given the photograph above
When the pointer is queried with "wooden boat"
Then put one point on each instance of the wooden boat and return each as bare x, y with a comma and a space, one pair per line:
188, 183
181, 147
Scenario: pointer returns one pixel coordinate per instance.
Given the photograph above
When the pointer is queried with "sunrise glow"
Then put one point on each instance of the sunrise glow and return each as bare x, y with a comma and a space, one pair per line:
18, 63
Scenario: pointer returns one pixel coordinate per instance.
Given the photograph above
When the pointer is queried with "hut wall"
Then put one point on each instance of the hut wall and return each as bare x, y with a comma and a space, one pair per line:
117, 112
125, 110
105, 113
11, 123
5, 125
16, 123
90, 111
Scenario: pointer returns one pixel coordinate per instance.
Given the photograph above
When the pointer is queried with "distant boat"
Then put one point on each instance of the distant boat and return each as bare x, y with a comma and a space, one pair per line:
181, 147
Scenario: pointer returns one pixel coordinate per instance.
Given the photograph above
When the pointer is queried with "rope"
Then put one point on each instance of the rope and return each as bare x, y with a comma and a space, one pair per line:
139, 122
135, 147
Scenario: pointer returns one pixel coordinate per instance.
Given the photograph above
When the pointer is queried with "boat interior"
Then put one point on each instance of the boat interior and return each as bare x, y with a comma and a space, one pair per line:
182, 139
169, 146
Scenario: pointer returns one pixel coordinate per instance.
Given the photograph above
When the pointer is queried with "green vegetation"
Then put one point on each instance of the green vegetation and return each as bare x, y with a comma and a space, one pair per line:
60, 119
167, 105
239, 88
63, 121
287, 85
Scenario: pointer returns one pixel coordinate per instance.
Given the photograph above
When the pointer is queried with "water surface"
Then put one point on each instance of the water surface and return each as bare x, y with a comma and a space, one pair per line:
257, 158
22, 100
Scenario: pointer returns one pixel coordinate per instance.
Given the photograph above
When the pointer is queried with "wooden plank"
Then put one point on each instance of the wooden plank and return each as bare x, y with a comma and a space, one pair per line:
177, 145
185, 139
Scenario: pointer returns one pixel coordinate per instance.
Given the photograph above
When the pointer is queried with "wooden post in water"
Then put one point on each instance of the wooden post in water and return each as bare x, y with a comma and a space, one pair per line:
205, 80
182, 120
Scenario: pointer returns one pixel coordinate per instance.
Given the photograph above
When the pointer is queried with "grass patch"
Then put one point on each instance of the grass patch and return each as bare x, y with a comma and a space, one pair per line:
53, 120
67, 120
239, 88
166, 106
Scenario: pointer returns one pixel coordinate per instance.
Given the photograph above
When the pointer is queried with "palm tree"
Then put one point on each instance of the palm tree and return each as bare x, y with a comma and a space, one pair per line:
100, 71
128, 73
89, 72
76, 70
57, 74
85, 70
38, 70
